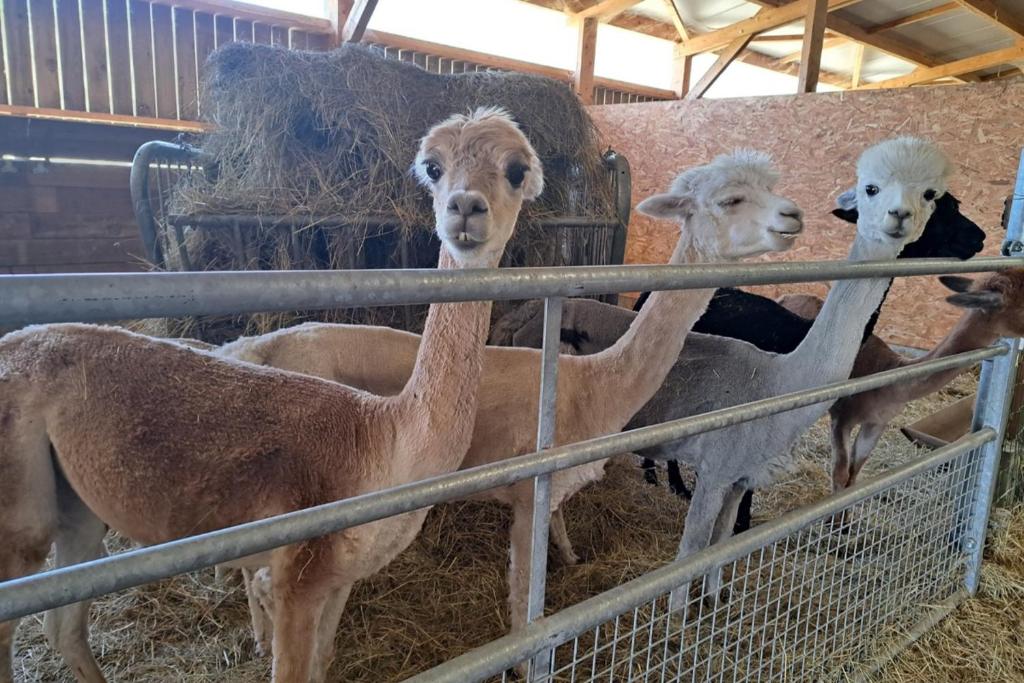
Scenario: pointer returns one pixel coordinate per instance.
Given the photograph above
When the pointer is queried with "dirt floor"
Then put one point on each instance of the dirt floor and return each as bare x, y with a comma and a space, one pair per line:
446, 593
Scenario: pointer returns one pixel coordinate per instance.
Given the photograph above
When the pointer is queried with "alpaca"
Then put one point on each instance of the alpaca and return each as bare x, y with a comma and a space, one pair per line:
898, 182
589, 328
994, 308
726, 210
160, 441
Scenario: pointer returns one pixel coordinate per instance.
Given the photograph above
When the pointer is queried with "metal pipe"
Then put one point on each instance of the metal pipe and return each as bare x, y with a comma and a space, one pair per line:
540, 513
498, 655
1014, 244
26, 299
63, 586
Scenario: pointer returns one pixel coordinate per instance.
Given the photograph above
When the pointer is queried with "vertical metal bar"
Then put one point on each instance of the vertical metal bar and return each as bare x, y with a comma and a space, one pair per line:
995, 391
541, 515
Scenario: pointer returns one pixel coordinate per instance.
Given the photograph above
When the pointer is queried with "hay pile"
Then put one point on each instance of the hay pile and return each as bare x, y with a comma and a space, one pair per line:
446, 593
327, 138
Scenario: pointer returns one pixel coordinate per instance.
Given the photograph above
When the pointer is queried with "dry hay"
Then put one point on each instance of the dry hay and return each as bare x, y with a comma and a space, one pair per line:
446, 593
328, 138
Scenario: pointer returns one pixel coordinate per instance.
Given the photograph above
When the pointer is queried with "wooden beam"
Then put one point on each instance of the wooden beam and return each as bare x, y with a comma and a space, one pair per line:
765, 20
606, 9
337, 14
677, 20
799, 55
814, 42
357, 21
914, 18
765, 62
95, 117
727, 57
858, 64
993, 12
957, 68
682, 70
586, 50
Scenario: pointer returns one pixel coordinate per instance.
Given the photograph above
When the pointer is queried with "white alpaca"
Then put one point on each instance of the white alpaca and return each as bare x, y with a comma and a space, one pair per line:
726, 210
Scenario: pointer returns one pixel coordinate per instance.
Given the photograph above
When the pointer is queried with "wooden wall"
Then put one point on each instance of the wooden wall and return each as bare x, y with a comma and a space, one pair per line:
66, 218
816, 140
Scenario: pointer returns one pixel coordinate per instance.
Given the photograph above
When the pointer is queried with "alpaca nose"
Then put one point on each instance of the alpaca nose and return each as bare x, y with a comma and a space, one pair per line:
467, 203
793, 212
901, 213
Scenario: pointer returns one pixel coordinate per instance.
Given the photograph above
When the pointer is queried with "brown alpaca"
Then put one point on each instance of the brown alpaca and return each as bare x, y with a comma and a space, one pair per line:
994, 308
726, 211
159, 441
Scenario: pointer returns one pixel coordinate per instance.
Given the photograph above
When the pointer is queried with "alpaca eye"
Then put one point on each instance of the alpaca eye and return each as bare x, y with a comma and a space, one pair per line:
872, 190
731, 201
929, 195
516, 174
433, 170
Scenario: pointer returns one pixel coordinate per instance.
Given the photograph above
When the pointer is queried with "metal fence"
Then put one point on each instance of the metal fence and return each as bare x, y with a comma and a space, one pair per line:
825, 592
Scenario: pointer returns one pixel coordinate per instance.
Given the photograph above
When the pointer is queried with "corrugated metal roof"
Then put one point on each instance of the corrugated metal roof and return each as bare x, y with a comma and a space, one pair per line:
947, 37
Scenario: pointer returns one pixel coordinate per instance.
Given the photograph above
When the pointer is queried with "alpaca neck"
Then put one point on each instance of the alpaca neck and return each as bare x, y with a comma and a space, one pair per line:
973, 331
627, 374
438, 403
828, 351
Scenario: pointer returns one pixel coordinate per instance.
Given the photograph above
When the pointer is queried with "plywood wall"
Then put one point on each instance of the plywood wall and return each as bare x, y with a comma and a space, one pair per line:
815, 140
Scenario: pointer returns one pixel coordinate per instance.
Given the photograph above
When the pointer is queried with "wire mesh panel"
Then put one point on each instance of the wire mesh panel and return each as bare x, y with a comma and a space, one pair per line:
816, 604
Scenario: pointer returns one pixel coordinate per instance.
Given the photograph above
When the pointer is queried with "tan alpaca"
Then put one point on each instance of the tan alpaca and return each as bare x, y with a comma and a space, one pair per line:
160, 441
727, 211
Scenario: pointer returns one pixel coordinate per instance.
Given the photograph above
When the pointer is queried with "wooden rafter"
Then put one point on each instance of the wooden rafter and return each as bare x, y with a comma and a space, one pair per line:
765, 62
814, 43
725, 58
998, 14
337, 13
677, 20
961, 66
825, 44
357, 21
586, 51
858, 65
765, 20
914, 18
682, 70
606, 9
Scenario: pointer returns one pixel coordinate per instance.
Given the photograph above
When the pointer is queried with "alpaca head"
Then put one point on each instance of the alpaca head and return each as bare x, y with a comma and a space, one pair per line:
727, 209
479, 168
947, 234
898, 182
998, 296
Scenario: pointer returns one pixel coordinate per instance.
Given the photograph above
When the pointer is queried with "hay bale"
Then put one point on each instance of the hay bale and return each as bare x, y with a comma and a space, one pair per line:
328, 137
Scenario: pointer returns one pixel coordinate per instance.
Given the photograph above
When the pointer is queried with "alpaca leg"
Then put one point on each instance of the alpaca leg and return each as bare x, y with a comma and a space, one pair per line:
864, 445
327, 632
841, 433
675, 481
519, 562
79, 539
650, 471
743, 515
723, 529
560, 537
699, 525
300, 592
259, 594
28, 516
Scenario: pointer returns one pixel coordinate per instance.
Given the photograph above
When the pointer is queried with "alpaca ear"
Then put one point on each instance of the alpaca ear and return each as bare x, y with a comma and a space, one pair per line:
534, 183
846, 206
955, 283
985, 300
667, 206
